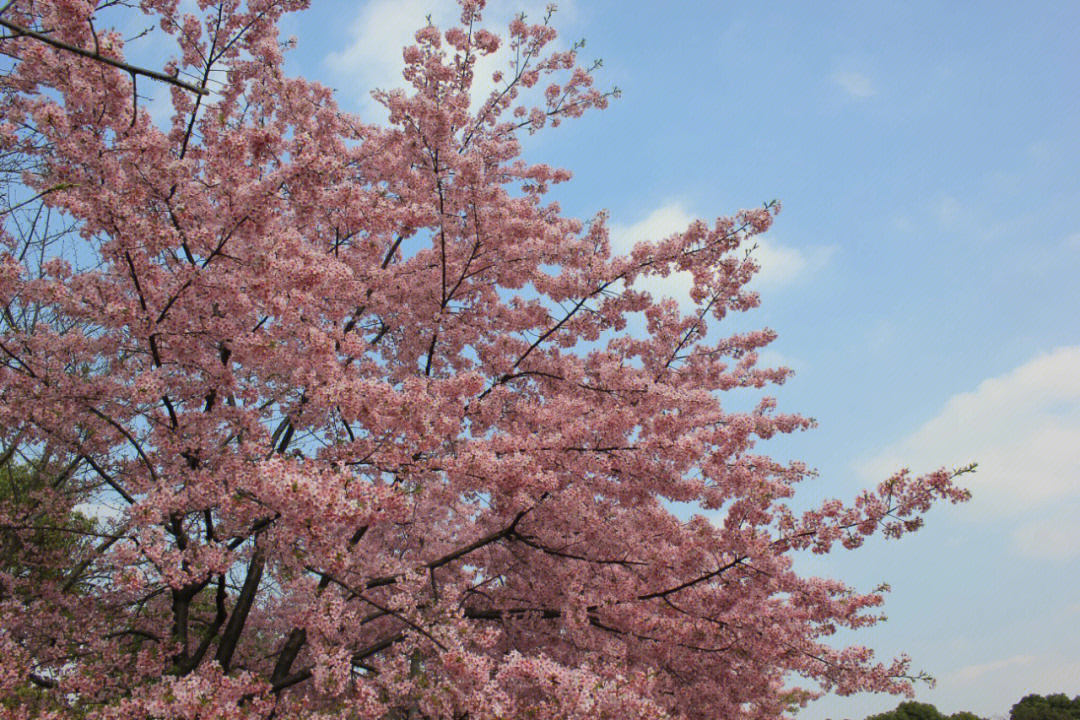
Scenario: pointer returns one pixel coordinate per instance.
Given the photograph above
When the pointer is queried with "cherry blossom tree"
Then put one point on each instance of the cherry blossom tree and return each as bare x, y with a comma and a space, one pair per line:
346, 420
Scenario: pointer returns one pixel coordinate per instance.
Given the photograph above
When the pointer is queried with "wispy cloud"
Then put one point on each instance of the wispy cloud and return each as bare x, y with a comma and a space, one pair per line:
949, 212
972, 672
854, 83
1052, 536
1023, 428
780, 264
880, 337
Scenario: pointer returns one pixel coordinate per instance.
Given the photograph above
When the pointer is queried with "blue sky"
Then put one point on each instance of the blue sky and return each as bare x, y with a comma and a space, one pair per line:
922, 276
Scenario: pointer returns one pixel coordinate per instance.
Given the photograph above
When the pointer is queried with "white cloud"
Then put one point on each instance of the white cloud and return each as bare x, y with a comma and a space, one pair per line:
1060, 674
106, 512
1054, 536
669, 218
990, 688
1022, 427
773, 359
382, 28
780, 264
662, 222
378, 33
855, 84
972, 672
783, 265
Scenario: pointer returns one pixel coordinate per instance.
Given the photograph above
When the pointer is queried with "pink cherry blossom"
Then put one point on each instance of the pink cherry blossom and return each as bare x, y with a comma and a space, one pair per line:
348, 421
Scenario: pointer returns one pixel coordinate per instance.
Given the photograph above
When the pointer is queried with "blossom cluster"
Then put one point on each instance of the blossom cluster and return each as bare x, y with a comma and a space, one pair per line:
306, 417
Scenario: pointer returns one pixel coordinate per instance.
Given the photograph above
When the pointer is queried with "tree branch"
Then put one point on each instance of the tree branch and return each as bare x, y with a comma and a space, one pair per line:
457, 554
356, 659
239, 616
133, 69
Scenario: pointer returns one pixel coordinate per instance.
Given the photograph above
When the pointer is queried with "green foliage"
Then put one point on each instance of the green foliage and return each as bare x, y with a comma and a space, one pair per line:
1030, 707
921, 711
1051, 707
35, 527
910, 711
964, 715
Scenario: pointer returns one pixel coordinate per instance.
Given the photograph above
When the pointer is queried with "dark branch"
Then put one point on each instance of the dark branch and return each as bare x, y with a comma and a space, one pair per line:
457, 554
231, 636
356, 659
133, 69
